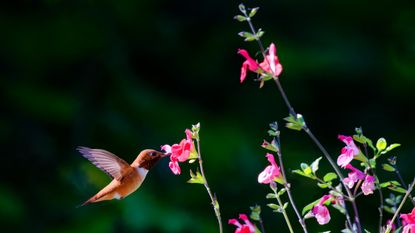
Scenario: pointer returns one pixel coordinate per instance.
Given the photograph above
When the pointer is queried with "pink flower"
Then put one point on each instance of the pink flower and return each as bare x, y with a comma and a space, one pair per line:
368, 185
393, 228
271, 63
321, 212
353, 176
408, 221
179, 152
249, 63
174, 165
271, 172
348, 152
247, 227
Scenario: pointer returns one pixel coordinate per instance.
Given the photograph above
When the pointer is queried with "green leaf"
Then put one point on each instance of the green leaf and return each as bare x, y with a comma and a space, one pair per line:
323, 186
366, 231
397, 189
260, 33
389, 210
242, 8
285, 205
270, 196
281, 192
253, 12
274, 206
273, 146
302, 174
390, 183
309, 206
391, 147
330, 176
240, 18
255, 212
245, 34
195, 131
388, 167
364, 140
381, 144
372, 163
295, 123
196, 178
314, 165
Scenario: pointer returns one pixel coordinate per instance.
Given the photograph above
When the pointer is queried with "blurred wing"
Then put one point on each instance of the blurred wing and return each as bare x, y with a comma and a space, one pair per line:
106, 161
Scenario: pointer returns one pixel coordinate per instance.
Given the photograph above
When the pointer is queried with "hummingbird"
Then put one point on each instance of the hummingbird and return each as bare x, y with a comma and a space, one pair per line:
126, 178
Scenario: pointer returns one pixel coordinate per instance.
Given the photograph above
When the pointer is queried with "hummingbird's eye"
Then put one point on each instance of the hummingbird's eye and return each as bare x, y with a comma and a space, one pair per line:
153, 153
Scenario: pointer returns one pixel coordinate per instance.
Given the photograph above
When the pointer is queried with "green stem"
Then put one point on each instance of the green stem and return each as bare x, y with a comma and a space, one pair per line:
284, 213
288, 188
408, 192
213, 198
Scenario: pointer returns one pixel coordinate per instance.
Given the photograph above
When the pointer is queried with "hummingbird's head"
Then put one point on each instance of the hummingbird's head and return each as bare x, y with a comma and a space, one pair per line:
148, 158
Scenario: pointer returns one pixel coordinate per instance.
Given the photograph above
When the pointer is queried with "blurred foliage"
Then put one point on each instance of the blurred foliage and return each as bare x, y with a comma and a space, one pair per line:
128, 75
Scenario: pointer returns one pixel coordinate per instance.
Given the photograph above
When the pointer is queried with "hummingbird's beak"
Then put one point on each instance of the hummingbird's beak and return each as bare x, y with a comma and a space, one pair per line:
165, 154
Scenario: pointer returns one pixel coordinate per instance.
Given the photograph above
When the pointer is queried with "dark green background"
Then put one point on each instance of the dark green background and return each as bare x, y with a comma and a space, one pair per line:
129, 75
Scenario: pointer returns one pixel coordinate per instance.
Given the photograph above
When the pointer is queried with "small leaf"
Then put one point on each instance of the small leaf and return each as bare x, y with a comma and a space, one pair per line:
196, 178
270, 196
381, 144
330, 176
391, 147
250, 38
240, 18
295, 123
309, 206
242, 8
270, 146
302, 174
273, 206
366, 231
253, 12
260, 33
285, 205
388, 167
306, 169
389, 210
245, 34
314, 165
323, 186
281, 192
255, 213
397, 189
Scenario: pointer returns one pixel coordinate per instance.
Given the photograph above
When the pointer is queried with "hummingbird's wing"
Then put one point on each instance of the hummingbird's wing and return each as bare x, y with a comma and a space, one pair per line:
109, 163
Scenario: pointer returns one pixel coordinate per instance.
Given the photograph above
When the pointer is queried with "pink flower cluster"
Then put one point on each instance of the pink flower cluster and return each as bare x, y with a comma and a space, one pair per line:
348, 153
408, 221
271, 172
246, 227
270, 64
179, 152
355, 175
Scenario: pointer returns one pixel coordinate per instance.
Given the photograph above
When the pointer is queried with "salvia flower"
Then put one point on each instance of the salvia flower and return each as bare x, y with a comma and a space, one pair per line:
368, 185
246, 227
321, 212
271, 172
353, 176
248, 64
348, 152
408, 221
270, 65
180, 152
